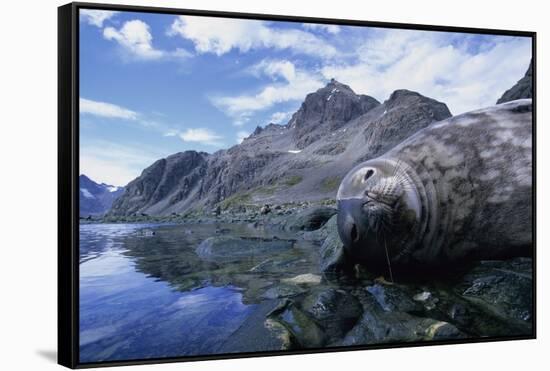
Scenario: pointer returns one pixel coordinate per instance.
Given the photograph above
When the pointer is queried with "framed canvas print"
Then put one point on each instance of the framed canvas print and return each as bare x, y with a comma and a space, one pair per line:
236, 185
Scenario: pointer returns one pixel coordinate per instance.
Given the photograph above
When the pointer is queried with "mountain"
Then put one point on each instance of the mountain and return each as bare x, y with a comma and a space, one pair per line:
304, 160
169, 181
96, 199
522, 89
327, 110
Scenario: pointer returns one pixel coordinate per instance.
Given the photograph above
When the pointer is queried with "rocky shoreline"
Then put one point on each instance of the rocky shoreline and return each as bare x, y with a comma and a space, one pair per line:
334, 304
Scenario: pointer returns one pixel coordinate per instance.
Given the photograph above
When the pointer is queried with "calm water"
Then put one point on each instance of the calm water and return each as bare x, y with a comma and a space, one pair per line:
148, 295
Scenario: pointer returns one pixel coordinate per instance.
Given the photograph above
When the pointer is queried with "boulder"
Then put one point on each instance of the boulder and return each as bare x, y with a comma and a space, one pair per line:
301, 330
336, 311
333, 260
310, 219
502, 288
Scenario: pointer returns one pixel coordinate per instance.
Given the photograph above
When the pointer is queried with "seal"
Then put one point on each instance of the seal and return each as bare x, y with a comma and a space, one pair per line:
457, 190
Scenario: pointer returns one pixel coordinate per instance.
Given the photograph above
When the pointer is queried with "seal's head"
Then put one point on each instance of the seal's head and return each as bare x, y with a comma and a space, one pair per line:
379, 212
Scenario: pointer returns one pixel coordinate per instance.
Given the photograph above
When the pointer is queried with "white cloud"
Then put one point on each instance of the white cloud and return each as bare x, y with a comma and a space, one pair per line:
427, 62
242, 135
330, 28
135, 37
104, 109
172, 133
96, 17
113, 111
295, 84
113, 163
275, 69
201, 135
221, 35
279, 117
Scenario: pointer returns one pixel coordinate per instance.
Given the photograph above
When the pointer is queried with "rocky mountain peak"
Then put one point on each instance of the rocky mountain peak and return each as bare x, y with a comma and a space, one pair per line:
169, 179
282, 163
523, 88
95, 198
327, 109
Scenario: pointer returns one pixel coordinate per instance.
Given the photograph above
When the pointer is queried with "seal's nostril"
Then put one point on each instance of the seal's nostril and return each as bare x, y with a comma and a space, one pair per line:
354, 234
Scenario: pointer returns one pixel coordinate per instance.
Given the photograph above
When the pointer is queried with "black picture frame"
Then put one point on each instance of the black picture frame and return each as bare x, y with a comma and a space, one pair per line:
68, 173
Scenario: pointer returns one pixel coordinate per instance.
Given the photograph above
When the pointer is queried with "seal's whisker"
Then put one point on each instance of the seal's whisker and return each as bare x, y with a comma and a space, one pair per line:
388, 260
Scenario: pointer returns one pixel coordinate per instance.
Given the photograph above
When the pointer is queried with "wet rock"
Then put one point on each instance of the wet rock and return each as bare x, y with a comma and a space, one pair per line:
322, 233
310, 219
394, 298
427, 299
503, 288
266, 209
304, 279
333, 259
301, 330
283, 291
378, 326
336, 311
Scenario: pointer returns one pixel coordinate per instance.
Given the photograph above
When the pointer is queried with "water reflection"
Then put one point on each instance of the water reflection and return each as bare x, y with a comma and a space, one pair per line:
146, 294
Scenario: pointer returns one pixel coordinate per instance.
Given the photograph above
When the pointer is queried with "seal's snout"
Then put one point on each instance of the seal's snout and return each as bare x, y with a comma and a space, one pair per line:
350, 217
355, 230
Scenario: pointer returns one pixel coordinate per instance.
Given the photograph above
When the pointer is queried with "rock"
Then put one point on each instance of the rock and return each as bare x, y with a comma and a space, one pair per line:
217, 210
522, 89
333, 260
230, 248
423, 296
96, 199
302, 330
304, 279
378, 326
172, 177
266, 209
503, 288
336, 311
332, 148
282, 291
333, 127
442, 331
393, 298
310, 219
427, 299
326, 110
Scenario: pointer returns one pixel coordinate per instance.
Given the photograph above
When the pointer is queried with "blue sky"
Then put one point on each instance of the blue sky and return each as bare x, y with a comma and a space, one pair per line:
156, 84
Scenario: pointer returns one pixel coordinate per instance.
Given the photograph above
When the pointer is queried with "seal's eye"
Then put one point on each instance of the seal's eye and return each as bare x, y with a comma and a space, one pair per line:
368, 174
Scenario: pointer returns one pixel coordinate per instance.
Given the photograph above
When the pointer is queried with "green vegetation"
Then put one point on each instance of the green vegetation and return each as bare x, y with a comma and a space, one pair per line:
292, 180
330, 183
265, 190
237, 199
